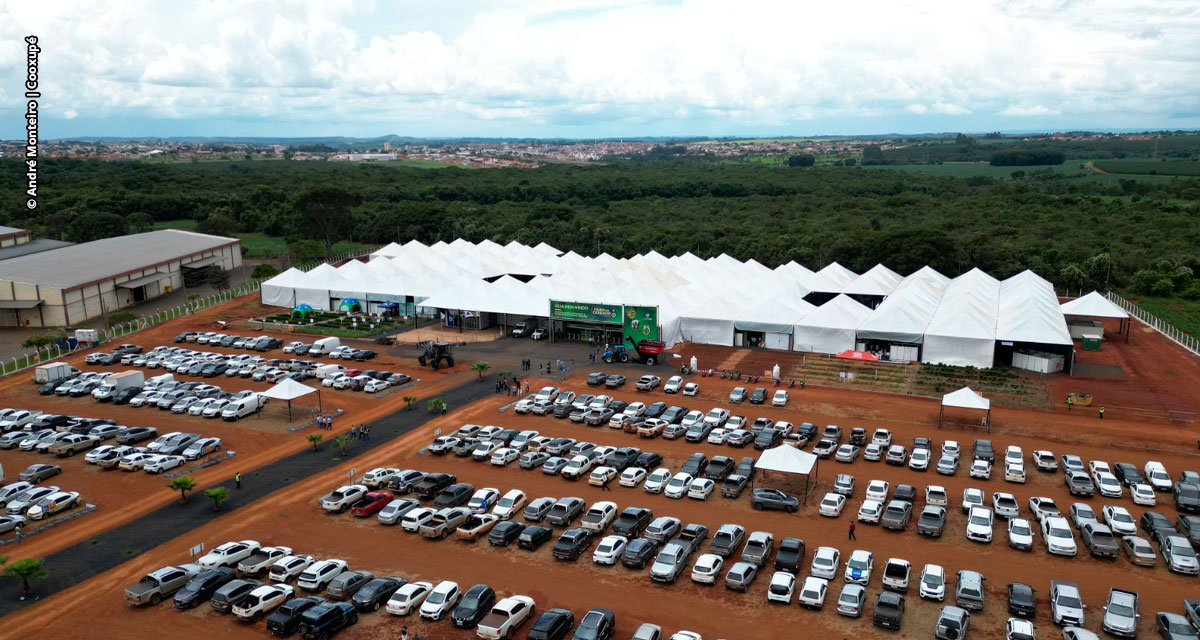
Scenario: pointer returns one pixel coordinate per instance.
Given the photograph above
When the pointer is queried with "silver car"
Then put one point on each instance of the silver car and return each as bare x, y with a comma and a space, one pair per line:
1121, 613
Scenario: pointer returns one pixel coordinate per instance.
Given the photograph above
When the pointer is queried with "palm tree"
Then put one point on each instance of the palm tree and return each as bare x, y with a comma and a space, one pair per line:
182, 485
342, 442
217, 495
480, 367
26, 569
410, 400
504, 373
315, 439
436, 405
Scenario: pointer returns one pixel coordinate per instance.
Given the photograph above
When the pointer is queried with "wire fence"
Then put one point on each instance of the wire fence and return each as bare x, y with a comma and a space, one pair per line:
123, 329
1181, 338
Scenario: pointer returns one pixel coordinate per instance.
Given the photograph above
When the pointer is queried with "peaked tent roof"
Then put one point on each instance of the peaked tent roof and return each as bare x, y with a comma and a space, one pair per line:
966, 398
786, 459
288, 389
1093, 305
877, 281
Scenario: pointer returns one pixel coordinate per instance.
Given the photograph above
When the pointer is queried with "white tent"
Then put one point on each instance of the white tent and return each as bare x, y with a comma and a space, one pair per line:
1093, 305
966, 398
832, 279
1029, 312
288, 390
877, 281
790, 460
829, 328
775, 317
280, 291
904, 315
962, 331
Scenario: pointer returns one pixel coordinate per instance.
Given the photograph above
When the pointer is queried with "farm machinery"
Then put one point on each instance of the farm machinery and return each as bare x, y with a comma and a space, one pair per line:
648, 352
434, 353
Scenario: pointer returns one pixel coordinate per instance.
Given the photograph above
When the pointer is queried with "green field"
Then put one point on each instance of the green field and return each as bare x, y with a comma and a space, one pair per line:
1150, 167
1184, 314
421, 164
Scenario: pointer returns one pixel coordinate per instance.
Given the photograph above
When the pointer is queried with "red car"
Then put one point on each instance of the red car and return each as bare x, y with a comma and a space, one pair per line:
371, 503
352, 372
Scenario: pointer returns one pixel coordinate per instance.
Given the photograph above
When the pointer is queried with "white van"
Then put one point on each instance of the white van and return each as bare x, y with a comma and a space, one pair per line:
152, 384
1156, 475
327, 370
324, 346
243, 407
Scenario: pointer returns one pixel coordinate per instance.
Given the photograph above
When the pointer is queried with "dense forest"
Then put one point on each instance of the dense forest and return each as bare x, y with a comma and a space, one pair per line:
1076, 232
963, 148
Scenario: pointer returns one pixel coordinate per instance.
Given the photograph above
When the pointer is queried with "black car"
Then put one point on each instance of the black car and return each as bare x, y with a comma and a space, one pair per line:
125, 395
622, 458
905, 492
596, 378
562, 411
534, 537
889, 610
1128, 474
572, 544
285, 620
674, 414
639, 552
695, 465
183, 336
454, 495
554, 624
1157, 525
617, 406
325, 619
745, 467
202, 587
774, 499
475, 604
719, 468
1189, 527
632, 521
231, 593
505, 533
984, 451
767, 438
858, 436
790, 555
433, 483
597, 624
48, 388
1187, 497
648, 460
655, 410
1021, 601
364, 354
376, 593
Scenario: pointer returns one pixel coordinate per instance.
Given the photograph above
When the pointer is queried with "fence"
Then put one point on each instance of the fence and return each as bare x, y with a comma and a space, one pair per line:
1181, 338
17, 538
122, 329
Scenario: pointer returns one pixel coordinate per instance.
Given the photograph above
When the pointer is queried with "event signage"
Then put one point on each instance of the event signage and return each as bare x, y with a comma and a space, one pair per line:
585, 312
641, 323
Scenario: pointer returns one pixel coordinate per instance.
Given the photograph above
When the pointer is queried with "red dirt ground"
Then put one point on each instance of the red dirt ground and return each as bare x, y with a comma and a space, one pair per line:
290, 517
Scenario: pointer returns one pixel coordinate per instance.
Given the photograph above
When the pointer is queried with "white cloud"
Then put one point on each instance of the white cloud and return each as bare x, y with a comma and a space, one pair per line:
611, 62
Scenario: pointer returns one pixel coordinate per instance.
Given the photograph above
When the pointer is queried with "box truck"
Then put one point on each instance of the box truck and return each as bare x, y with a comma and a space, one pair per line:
53, 372
324, 346
118, 382
524, 328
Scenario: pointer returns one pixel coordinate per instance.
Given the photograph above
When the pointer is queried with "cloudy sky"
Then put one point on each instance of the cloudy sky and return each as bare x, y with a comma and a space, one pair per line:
601, 68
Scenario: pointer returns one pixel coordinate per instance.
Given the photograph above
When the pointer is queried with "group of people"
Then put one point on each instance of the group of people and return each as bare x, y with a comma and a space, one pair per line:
513, 388
526, 364
325, 422
361, 432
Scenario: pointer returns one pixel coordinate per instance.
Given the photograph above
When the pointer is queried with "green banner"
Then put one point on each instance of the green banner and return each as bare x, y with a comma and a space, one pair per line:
641, 323
585, 312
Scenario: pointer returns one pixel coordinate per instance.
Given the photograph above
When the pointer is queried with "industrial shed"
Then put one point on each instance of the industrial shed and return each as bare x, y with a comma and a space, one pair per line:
72, 284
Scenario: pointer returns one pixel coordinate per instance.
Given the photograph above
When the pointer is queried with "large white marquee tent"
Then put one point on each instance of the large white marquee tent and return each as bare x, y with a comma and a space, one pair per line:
712, 301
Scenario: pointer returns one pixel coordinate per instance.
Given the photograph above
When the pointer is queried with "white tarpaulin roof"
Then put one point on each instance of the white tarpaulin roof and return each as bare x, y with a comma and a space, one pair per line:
877, 281
831, 279
1093, 305
903, 315
966, 398
1029, 312
288, 389
786, 459
963, 330
830, 328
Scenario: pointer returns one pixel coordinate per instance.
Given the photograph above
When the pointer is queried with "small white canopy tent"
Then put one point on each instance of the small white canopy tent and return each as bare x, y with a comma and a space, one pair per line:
792, 461
288, 390
967, 398
1095, 305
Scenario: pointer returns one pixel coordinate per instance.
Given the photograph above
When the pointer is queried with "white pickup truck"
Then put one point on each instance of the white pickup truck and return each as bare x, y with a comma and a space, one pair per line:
505, 617
262, 560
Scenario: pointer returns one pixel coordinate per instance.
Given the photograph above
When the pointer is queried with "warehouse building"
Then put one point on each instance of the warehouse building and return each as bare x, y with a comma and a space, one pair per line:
75, 283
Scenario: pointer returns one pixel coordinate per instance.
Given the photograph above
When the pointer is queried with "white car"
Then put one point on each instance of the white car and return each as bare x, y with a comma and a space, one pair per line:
882, 437
228, 554
504, 456
812, 594
408, 598
1098, 466
1013, 454
933, 582
95, 454
634, 409
341, 498
657, 480
51, 504
510, 504
1143, 494
1056, 531
782, 587
873, 452
878, 490
1107, 485
896, 573
160, 464
1041, 507
504, 617
919, 461
673, 384
1014, 472
440, 600
678, 486
134, 460
691, 418
291, 347
1005, 505
972, 497
832, 505
412, 521
379, 476
825, 562
981, 469
609, 551
375, 386
936, 495
707, 568
262, 600
1020, 534
201, 448
870, 511
691, 389
1044, 460
632, 477
979, 524
950, 448
701, 488
289, 567
1119, 520
599, 516
718, 436
482, 500
859, 566
780, 398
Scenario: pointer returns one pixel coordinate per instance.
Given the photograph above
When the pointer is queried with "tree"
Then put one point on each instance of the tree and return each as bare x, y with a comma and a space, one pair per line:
315, 439
218, 224
1072, 276
479, 368
1144, 280
217, 495
95, 225
324, 213
1099, 268
140, 222
872, 154
119, 317
217, 278
802, 160
26, 569
1162, 288
410, 400
183, 485
342, 442
504, 373
305, 251
264, 271
436, 405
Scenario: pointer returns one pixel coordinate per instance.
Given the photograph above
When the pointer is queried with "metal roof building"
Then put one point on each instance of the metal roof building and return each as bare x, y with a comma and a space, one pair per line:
72, 284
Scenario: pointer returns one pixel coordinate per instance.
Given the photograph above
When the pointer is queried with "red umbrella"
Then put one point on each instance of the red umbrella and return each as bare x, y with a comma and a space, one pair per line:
857, 355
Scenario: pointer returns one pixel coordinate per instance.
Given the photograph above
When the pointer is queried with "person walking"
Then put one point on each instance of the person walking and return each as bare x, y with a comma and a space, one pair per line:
604, 485
852, 531
237, 479
539, 368
1101, 412
403, 633
526, 386
366, 432
1070, 402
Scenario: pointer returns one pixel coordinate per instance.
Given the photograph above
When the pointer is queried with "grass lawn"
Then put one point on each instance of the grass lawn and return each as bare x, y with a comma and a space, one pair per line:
1184, 314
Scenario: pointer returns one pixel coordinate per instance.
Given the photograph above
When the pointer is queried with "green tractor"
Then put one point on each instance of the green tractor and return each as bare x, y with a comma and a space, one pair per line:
434, 353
